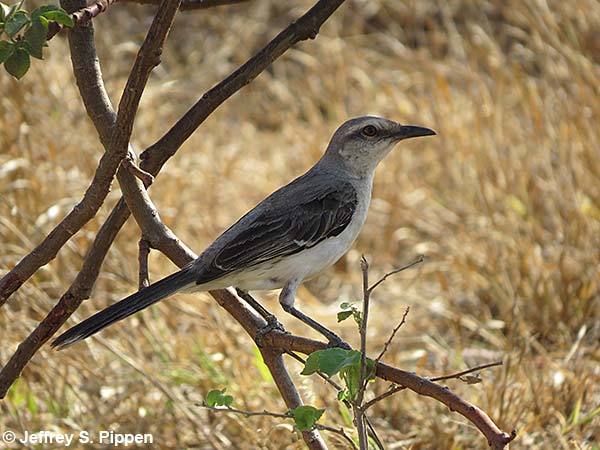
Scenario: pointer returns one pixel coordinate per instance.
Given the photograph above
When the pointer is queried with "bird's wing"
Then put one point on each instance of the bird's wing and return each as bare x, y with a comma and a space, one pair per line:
282, 230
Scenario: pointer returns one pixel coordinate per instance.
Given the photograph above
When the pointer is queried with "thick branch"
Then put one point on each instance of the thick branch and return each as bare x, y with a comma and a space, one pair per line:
79, 40
156, 155
146, 59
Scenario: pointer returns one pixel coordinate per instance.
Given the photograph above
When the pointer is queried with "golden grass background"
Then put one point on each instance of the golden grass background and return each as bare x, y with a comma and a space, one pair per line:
504, 202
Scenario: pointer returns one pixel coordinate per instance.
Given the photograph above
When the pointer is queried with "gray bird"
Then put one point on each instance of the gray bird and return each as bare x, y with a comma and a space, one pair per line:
295, 233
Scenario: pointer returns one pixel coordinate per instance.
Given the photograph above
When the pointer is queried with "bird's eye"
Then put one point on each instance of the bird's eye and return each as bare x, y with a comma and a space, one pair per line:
369, 131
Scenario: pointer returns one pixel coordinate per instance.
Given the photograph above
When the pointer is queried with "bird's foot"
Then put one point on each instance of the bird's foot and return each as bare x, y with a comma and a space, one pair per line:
272, 324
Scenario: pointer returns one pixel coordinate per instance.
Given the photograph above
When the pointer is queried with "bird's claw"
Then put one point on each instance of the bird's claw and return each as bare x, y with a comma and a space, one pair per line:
272, 324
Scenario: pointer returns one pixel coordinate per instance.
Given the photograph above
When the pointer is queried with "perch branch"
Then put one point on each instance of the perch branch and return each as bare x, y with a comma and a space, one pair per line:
155, 156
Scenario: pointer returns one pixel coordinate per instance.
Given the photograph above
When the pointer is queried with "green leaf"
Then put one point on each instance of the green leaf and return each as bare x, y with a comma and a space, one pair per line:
6, 49
4, 10
305, 417
18, 63
15, 23
330, 361
36, 36
218, 398
37, 12
59, 16
343, 315
346, 305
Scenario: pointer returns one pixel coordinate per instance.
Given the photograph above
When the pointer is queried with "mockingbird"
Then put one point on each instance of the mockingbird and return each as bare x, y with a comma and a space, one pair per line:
292, 235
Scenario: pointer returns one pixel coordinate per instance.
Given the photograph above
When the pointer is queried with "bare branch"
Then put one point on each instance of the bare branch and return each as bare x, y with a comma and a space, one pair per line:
319, 426
274, 361
419, 260
143, 253
129, 164
81, 17
81, 42
458, 375
306, 27
391, 391
187, 5
391, 338
359, 412
117, 149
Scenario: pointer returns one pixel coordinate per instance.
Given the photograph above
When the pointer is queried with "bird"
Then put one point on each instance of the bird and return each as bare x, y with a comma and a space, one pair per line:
295, 233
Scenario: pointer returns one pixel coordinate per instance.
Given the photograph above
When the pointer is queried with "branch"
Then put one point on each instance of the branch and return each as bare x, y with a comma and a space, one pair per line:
306, 27
90, 84
419, 260
287, 415
81, 17
99, 109
187, 5
143, 253
147, 58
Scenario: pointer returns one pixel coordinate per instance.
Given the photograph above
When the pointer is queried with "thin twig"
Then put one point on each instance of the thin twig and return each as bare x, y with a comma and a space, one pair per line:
466, 372
136, 171
419, 260
391, 391
392, 335
319, 426
189, 5
359, 413
242, 412
143, 253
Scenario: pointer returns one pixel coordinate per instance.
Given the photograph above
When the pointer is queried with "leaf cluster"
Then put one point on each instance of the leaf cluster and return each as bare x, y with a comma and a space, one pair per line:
26, 34
340, 361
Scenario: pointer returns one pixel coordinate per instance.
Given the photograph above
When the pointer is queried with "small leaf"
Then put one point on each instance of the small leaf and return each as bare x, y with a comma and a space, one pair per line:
305, 417
330, 361
15, 23
343, 315
18, 63
59, 16
36, 36
218, 398
40, 11
4, 11
346, 305
6, 49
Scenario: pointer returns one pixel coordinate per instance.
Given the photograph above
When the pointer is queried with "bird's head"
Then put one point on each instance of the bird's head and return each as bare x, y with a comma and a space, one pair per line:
361, 143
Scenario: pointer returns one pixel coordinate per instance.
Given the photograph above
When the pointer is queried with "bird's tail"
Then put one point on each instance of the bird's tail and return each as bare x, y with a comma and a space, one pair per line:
126, 307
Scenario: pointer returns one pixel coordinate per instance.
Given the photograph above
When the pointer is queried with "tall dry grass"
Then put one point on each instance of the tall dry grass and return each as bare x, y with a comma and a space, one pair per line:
505, 204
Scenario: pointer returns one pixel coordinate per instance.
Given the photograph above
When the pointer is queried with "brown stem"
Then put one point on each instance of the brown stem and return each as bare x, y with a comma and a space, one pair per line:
100, 110
188, 5
143, 253
81, 16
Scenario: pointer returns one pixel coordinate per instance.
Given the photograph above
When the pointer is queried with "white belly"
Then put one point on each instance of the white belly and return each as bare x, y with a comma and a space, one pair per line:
307, 263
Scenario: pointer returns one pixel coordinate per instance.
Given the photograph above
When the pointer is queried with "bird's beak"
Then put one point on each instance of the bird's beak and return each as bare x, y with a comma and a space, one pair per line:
411, 131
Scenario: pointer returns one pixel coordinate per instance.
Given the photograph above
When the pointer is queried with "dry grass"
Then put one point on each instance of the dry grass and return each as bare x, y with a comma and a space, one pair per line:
505, 203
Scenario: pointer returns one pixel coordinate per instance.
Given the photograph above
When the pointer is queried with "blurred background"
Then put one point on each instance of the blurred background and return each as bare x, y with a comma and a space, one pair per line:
504, 203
